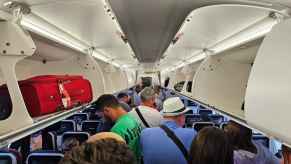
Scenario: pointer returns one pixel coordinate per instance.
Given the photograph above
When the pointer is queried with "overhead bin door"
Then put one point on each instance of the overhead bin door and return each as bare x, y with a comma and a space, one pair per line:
269, 86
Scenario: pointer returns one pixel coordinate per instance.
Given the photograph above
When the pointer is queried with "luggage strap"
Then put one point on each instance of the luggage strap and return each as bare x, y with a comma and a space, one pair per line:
65, 93
142, 118
176, 140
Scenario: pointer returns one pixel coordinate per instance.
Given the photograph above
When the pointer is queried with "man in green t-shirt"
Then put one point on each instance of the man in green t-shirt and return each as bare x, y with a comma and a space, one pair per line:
125, 125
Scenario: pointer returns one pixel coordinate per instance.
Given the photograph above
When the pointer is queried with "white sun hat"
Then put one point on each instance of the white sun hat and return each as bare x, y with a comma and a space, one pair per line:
174, 107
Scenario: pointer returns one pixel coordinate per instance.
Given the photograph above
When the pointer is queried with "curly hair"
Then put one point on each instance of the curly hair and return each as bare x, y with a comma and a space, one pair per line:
104, 151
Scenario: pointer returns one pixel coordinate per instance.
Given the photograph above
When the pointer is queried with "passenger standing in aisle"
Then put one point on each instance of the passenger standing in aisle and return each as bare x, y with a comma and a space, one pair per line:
146, 113
245, 150
211, 146
125, 125
157, 147
124, 101
136, 96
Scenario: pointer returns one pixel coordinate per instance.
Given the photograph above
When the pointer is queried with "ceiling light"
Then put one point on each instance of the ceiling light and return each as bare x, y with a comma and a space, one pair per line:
26, 23
253, 32
62, 39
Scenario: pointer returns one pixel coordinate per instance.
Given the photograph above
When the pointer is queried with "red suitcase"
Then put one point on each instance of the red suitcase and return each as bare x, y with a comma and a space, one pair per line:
43, 94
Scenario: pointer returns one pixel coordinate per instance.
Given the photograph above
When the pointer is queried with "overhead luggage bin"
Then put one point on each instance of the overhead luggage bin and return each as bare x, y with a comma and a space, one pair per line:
221, 80
268, 92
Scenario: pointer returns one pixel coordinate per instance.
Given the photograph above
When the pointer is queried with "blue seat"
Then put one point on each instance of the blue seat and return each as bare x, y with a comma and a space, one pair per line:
92, 127
62, 127
191, 103
44, 157
200, 125
78, 117
66, 126
10, 157
190, 112
205, 111
192, 118
49, 140
217, 119
262, 139
92, 113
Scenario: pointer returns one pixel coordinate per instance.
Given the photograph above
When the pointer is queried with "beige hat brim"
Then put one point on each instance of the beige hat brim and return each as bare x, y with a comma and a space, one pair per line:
176, 114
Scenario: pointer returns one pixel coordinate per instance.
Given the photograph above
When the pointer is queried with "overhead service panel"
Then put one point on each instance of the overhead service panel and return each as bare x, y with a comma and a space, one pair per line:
269, 90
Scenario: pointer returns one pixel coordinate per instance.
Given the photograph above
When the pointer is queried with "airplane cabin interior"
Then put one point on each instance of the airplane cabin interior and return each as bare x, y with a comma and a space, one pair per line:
225, 60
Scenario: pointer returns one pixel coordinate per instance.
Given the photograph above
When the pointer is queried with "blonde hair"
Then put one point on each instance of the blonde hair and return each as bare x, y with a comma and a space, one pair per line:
105, 135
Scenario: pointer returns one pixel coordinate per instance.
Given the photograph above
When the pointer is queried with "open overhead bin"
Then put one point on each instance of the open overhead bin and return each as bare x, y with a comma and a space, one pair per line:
53, 58
268, 92
221, 80
189, 72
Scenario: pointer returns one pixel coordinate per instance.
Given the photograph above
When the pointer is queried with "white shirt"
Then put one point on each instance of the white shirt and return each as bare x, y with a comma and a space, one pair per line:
151, 115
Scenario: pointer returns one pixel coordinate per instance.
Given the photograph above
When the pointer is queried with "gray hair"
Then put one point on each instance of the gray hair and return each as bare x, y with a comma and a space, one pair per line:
147, 93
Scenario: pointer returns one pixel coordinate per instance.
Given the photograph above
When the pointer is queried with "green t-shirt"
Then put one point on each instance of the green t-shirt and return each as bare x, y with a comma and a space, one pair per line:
129, 129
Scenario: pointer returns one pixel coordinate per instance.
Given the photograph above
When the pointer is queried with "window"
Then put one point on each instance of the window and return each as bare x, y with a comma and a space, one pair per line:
179, 86
189, 86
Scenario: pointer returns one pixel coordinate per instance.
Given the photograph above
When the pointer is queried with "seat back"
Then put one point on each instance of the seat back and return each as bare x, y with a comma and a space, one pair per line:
262, 139
191, 103
200, 125
91, 111
189, 112
44, 158
205, 112
50, 141
62, 127
191, 119
79, 118
92, 127
217, 119
10, 157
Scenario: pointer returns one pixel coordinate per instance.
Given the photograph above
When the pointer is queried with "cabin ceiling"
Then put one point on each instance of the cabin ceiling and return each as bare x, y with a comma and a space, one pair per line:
150, 25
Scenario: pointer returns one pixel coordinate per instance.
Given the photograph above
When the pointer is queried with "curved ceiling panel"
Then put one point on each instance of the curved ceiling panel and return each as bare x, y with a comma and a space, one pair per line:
150, 25
209, 26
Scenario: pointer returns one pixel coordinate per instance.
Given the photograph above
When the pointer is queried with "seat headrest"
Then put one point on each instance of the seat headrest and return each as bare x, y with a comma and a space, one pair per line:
44, 157
7, 157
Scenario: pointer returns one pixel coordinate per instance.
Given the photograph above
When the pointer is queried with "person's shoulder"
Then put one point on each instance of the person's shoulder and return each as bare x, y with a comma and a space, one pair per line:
265, 153
188, 131
145, 109
125, 120
151, 130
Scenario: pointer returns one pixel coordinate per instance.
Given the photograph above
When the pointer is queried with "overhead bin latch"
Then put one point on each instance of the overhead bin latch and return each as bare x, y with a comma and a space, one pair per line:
90, 51
277, 16
18, 9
